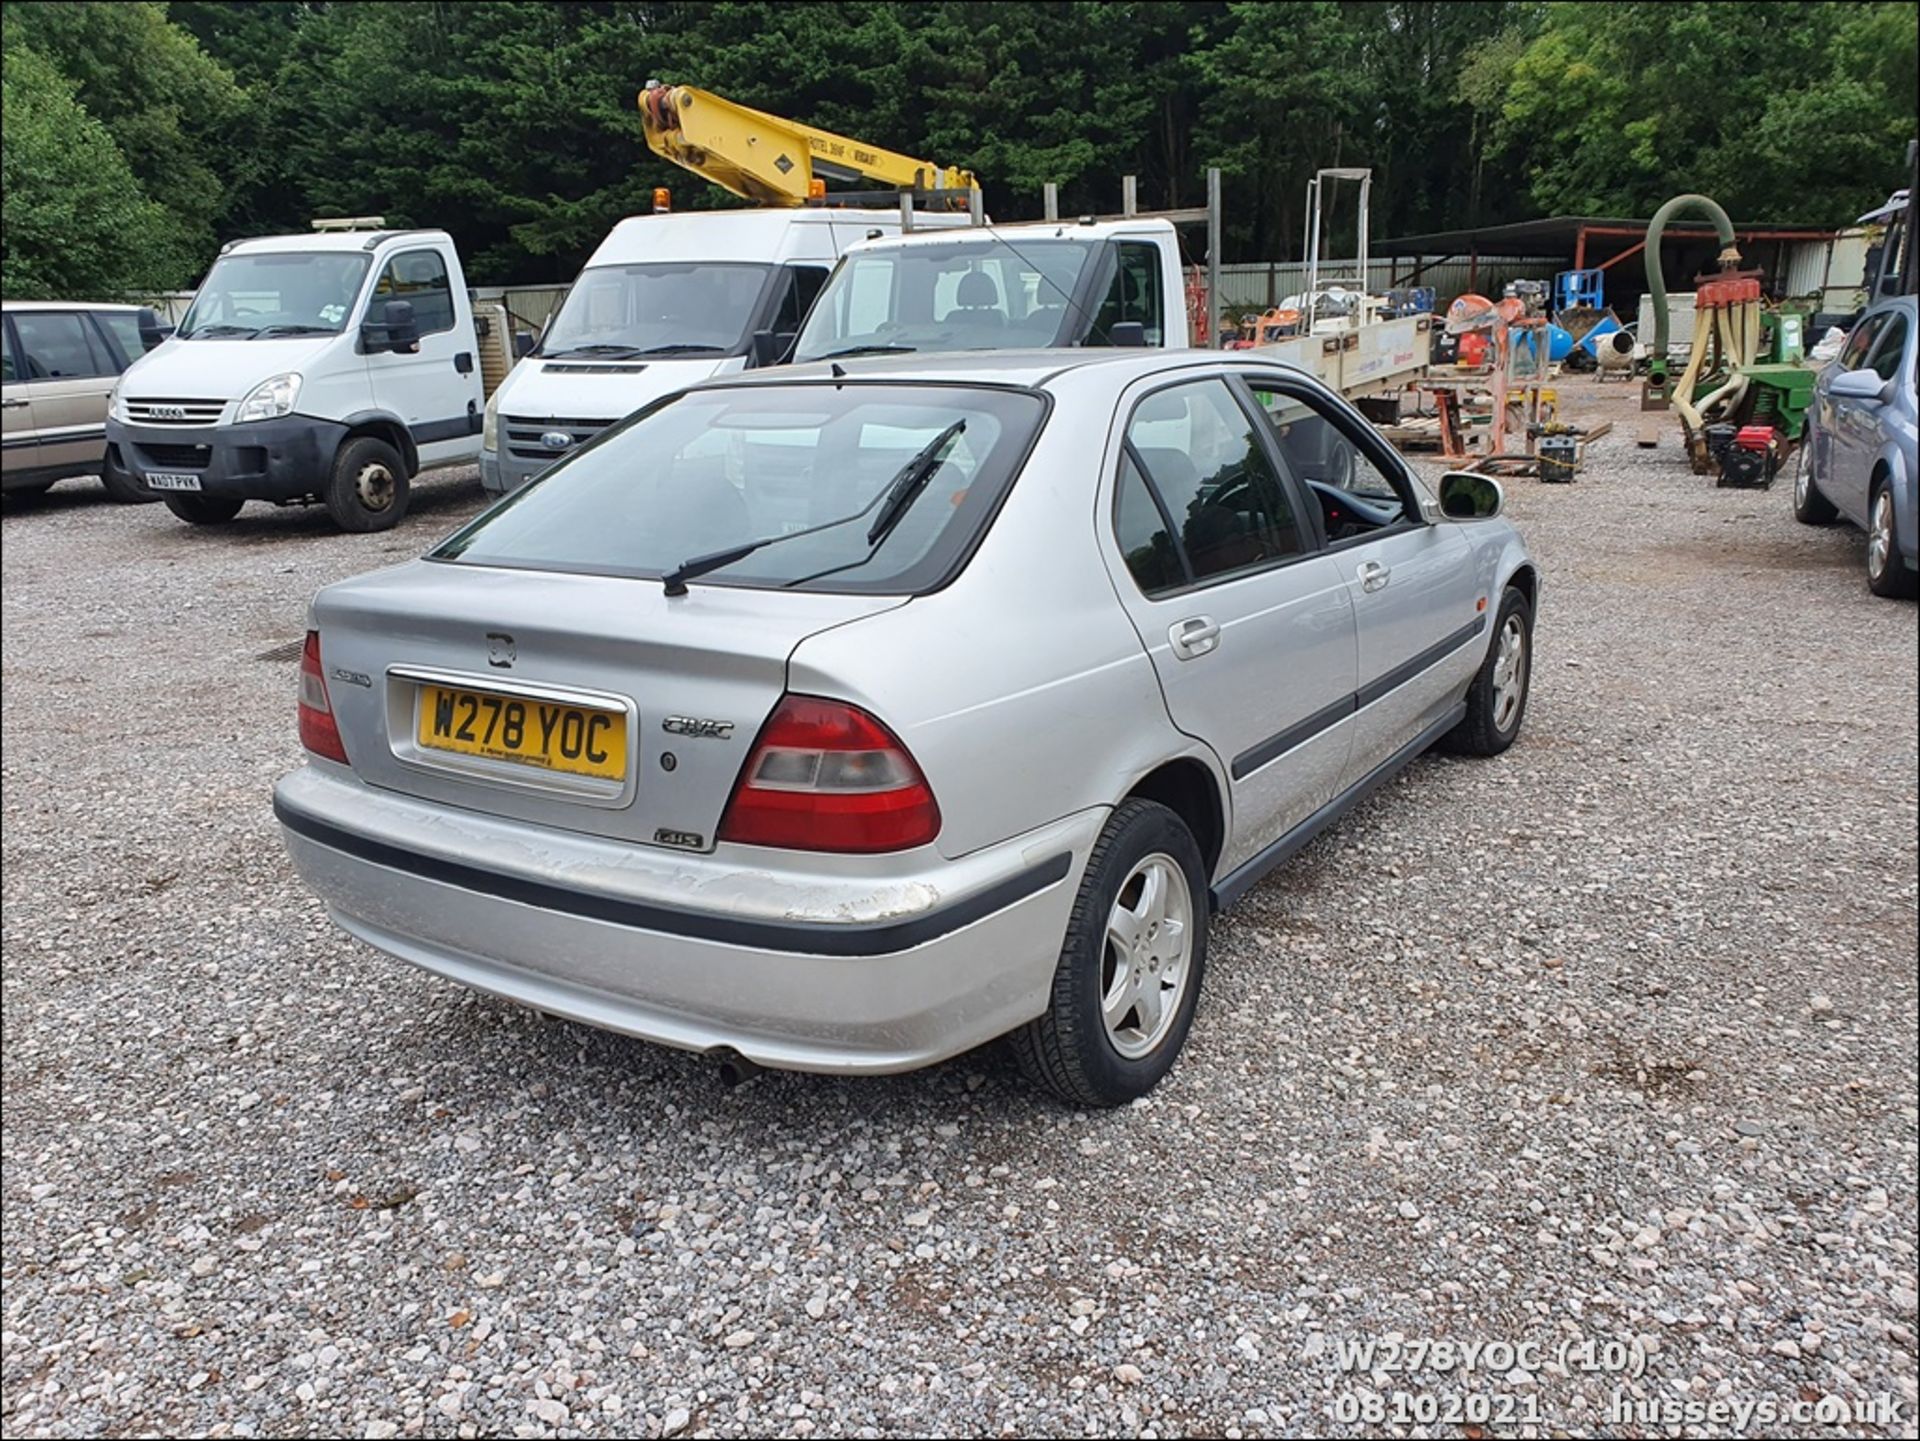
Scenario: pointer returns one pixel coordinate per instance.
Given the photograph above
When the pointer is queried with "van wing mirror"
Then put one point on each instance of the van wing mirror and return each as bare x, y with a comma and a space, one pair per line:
522, 344
770, 347
1468, 495
395, 330
1128, 333
152, 329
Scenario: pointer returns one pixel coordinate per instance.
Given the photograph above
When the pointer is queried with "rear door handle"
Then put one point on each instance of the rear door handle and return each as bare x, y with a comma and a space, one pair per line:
13, 405
1373, 575
1194, 636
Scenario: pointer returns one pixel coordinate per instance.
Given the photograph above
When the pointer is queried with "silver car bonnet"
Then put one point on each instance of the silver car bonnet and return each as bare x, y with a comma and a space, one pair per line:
695, 675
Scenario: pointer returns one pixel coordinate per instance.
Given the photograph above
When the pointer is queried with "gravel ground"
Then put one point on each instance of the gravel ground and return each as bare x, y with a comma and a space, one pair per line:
1610, 1040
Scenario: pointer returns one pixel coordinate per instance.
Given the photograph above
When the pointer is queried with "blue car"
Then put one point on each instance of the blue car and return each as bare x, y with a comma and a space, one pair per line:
1861, 462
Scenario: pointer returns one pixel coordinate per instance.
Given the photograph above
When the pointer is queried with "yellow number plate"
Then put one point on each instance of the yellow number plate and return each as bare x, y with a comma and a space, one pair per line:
544, 734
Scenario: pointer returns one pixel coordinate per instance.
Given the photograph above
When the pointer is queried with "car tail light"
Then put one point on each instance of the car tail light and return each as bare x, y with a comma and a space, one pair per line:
826, 776
318, 733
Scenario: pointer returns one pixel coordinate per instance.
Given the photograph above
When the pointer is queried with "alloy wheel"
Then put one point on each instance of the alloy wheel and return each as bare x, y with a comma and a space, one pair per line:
1148, 956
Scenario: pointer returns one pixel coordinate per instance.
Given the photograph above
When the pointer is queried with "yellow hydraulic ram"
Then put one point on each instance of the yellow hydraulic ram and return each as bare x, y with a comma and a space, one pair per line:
770, 160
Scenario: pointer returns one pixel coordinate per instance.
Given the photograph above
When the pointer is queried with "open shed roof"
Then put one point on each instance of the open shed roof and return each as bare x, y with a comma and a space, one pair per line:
1562, 234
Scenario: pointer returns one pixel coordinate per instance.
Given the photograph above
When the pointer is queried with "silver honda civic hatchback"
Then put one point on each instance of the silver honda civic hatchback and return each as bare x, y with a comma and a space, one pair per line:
844, 718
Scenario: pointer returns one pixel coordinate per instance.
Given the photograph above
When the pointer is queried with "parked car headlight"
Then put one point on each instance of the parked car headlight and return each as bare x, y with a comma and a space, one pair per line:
490, 424
270, 399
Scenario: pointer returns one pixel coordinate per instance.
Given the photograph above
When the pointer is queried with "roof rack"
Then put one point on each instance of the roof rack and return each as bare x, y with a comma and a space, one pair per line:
350, 222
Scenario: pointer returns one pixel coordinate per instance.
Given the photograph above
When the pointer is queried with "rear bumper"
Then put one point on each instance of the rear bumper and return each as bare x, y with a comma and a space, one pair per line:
841, 968
285, 459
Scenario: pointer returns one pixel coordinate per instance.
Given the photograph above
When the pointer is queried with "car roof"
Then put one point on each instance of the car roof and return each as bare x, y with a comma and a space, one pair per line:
1891, 302
13, 307
1034, 369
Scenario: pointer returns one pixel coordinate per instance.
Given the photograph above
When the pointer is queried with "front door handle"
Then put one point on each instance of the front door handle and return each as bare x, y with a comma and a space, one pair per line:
1194, 636
13, 405
1373, 575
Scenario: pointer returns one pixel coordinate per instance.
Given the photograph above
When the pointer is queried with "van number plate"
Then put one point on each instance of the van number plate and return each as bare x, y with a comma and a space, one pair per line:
169, 480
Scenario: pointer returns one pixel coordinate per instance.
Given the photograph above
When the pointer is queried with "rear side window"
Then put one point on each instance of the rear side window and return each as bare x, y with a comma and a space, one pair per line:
419, 277
7, 371
56, 346
1201, 458
850, 487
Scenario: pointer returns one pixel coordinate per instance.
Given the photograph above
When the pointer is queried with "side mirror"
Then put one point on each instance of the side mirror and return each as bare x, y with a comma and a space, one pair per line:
152, 329
771, 347
1859, 385
1127, 333
395, 330
522, 344
1468, 495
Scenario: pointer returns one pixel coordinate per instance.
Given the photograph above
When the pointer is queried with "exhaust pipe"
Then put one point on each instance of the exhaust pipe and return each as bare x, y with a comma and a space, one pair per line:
735, 1070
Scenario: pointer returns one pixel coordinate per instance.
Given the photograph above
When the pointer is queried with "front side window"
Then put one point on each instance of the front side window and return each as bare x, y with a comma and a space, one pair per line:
850, 487
1356, 497
972, 295
800, 289
269, 293
56, 346
7, 368
1853, 355
1202, 459
660, 308
1134, 295
419, 277
1891, 347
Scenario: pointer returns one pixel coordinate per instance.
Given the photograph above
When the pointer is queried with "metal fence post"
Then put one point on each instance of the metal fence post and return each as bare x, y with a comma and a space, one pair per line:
1213, 257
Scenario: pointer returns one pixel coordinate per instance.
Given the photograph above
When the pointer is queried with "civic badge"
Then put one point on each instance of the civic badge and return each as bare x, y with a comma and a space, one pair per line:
556, 439
499, 649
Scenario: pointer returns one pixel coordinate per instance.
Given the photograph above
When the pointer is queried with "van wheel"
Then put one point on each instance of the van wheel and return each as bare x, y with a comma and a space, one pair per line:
121, 487
204, 509
368, 489
1129, 973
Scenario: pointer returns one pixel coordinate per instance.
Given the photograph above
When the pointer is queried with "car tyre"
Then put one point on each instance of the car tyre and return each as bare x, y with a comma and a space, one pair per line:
1497, 699
368, 489
204, 509
1130, 969
120, 485
1887, 574
1810, 507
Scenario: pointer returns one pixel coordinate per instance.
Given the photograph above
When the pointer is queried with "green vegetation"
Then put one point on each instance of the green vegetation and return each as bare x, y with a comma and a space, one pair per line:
136, 134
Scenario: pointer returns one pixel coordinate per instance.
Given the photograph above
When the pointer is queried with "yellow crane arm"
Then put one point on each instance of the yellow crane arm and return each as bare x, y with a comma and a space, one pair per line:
766, 158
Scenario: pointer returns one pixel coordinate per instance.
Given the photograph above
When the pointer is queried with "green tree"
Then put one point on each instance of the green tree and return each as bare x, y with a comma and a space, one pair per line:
1789, 111
75, 220
167, 105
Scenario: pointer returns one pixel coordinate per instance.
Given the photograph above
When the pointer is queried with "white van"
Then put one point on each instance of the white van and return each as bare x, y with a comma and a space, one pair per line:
332, 366
665, 302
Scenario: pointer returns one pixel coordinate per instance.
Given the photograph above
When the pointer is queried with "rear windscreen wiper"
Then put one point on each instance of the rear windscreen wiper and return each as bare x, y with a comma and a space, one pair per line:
894, 500
911, 480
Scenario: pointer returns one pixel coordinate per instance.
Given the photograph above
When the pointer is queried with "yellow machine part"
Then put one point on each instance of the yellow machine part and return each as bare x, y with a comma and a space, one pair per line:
764, 158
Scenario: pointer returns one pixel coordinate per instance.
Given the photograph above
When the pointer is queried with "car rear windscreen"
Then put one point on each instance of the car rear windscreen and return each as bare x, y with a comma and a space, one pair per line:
851, 486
